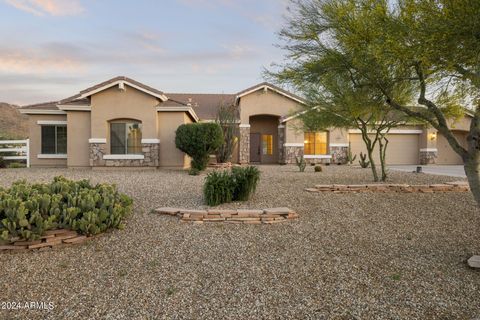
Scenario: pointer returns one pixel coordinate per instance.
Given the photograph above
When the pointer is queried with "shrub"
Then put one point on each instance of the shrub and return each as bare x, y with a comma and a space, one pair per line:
219, 188
226, 186
318, 168
28, 210
199, 140
16, 165
2, 162
193, 172
246, 180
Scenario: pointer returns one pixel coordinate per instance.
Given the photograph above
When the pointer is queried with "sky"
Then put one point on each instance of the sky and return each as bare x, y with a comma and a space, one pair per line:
52, 49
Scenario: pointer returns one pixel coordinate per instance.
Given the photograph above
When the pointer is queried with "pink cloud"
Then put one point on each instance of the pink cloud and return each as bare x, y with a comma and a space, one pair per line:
50, 7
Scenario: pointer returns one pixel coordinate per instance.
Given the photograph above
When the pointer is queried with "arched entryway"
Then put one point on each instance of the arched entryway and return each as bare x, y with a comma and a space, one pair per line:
264, 139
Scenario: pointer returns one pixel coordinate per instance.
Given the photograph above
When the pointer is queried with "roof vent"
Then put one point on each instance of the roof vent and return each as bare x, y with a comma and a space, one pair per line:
189, 102
121, 86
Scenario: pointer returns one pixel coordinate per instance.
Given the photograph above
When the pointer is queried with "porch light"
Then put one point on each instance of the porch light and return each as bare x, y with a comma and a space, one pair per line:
433, 136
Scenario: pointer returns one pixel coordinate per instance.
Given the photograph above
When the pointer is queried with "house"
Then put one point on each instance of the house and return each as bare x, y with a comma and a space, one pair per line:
124, 123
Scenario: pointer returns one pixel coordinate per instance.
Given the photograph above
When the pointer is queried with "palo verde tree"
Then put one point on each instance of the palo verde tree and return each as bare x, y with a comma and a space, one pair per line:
324, 74
428, 48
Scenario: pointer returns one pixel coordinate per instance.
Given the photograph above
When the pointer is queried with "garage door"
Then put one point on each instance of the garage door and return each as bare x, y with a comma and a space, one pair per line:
402, 148
446, 155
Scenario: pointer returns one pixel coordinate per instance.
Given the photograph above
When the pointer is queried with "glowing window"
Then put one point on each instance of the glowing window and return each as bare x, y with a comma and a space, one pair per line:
315, 143
267, 144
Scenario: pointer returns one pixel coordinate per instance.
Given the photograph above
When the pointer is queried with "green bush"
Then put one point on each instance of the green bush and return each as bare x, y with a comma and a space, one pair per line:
318, 168
226, 186
28, 210
301, 164
219, 188
246, 180
16, 165
199, 141
2, 162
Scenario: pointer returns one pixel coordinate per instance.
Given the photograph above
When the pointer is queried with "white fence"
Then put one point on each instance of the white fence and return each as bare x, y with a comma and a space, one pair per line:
20, 147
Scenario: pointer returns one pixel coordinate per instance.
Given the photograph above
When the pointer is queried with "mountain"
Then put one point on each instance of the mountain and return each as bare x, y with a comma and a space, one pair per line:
13, 124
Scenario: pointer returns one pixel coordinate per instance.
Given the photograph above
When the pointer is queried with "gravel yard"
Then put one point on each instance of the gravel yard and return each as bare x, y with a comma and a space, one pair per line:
349, 256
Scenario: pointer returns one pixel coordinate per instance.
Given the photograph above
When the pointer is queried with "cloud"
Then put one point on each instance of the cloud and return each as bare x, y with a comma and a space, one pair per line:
21, 61
50, 7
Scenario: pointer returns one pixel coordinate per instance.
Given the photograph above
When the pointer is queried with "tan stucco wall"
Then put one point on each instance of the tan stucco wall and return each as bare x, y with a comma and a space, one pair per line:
114, 104
35, 136
294, 132
78, 133
168, 122
269, 103
446, 155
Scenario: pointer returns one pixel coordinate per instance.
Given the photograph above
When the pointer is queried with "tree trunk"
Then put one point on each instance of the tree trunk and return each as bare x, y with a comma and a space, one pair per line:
472, 170
372, 164
383, 152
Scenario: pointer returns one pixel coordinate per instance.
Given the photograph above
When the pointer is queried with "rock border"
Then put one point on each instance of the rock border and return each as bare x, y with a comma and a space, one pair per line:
247, 216
456, 186
51, 238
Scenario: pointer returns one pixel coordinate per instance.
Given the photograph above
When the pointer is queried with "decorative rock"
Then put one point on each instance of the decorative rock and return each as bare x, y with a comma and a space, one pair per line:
12, 247
78, 239
247, 216
458, 186
277, 211
474, 262
26, 243
168, 210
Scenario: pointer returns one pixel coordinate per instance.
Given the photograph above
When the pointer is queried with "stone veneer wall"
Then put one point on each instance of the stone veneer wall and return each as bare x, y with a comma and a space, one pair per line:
428, 157
339, 154
149, 150
97, 150
292, 152
244, 145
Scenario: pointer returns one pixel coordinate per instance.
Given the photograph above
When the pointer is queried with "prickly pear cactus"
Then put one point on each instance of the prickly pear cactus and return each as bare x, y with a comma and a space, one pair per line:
28, 210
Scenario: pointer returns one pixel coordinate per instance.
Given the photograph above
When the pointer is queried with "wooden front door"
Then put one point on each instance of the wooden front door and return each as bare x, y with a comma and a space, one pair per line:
255, 147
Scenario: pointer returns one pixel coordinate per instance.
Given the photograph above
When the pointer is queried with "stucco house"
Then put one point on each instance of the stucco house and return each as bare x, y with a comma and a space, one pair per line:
124, 123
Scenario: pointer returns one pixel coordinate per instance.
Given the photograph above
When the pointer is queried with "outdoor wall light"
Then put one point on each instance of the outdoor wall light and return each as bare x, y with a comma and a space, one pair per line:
433, 136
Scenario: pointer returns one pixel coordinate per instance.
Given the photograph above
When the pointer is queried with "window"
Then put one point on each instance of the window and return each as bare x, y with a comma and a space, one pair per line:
267, 144
125, 138
315, 143
54, 140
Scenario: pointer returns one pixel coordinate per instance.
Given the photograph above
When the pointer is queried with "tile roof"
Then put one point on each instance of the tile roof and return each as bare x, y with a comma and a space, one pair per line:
205, 105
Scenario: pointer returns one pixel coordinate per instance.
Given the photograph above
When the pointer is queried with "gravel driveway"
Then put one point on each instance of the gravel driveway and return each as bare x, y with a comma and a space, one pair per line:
349, 256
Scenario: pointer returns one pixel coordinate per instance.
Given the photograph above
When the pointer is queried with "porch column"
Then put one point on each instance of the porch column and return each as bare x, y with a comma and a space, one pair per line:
244, 143
281, 144
98, 147
428, 146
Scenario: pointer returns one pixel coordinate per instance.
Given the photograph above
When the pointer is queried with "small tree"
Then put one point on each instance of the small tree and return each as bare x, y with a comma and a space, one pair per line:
199, 141
227, 120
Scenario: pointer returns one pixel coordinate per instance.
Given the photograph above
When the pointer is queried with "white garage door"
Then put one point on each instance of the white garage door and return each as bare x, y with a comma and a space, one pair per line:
446, 155
402, 148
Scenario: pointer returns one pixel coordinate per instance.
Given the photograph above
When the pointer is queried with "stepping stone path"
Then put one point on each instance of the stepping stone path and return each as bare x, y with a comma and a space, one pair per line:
456, 186
50, 239
246, 216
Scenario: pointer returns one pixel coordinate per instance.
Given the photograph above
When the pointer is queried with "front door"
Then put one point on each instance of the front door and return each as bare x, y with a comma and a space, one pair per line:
255, 140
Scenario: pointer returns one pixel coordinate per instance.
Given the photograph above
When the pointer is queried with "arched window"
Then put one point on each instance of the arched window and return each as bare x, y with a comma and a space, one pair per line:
125, 137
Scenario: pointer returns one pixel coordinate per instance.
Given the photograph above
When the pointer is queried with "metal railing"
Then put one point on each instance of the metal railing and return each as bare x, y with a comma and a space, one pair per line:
20, 148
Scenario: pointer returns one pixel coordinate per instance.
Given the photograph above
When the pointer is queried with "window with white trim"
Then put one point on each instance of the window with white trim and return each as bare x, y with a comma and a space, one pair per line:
125, 137
316, 143
54, 139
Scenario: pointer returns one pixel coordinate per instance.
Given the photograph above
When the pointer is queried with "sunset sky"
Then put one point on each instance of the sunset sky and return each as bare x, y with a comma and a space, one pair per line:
51, 49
